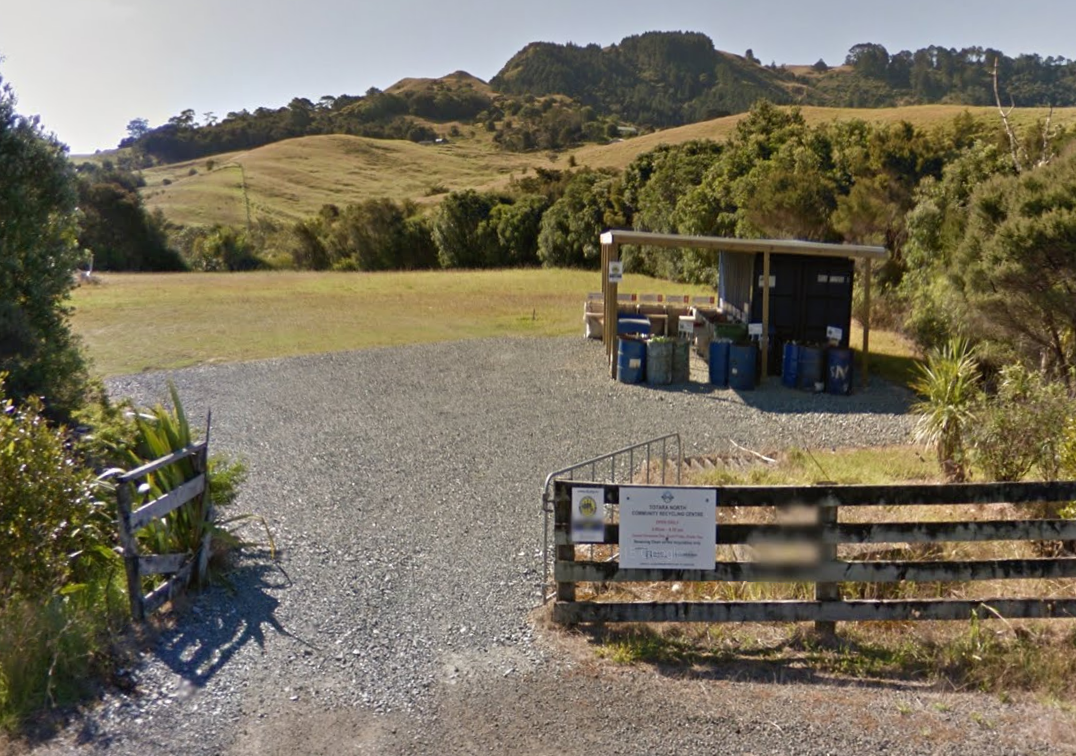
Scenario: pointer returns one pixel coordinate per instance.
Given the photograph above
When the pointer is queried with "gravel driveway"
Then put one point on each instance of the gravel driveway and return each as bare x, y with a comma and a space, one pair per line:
402, 488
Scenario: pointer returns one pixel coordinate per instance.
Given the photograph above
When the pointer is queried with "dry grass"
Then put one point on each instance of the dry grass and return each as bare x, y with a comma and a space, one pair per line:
137, 322
292, 179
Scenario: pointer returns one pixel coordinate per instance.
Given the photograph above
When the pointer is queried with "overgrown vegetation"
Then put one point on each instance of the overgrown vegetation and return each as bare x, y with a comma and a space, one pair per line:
62, 600
59, 597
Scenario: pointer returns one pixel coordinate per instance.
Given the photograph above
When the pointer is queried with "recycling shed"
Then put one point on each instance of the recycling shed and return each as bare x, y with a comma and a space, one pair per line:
796, 305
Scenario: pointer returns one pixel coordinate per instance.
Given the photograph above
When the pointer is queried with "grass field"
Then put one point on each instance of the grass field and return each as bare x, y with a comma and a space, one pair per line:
137, 322
132, 322
293, 179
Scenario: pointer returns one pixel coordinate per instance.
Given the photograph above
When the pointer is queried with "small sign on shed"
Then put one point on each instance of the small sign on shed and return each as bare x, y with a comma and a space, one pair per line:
616, 272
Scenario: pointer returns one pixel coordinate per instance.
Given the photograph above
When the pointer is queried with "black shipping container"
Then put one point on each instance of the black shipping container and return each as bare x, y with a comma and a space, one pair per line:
807, 296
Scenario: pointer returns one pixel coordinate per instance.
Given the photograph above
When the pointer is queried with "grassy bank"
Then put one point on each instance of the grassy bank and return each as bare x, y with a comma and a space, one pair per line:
137, 322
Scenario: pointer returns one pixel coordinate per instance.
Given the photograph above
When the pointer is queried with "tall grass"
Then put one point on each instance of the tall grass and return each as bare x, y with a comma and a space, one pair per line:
54, 648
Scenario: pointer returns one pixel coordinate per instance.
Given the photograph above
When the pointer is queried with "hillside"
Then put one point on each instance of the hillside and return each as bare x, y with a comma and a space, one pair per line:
552, 96
657, 79
292, 179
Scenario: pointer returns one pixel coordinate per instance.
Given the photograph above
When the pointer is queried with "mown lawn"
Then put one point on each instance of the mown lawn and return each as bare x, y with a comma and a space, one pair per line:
137, 322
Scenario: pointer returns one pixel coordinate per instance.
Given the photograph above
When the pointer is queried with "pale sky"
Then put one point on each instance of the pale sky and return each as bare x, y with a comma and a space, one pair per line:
87, 67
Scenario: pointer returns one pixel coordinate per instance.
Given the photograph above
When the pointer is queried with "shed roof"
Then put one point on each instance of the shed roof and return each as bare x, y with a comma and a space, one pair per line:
783, 246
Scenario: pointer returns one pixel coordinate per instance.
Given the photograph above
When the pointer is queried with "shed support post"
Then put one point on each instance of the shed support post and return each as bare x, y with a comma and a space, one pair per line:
610, 254
867, 323
765, 340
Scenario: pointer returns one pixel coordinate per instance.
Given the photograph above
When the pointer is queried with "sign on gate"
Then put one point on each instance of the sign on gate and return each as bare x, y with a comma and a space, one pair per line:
588, 515
667, 528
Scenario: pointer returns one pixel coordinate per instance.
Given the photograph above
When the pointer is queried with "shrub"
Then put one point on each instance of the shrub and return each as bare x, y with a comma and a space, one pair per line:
61, 586
48, 511
1021, 427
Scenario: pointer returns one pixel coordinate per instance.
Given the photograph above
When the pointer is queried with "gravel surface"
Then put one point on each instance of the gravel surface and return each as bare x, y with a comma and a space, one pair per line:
402, 487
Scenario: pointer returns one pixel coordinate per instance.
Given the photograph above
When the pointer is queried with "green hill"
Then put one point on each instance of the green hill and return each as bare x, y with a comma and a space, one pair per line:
656, 79
292, 179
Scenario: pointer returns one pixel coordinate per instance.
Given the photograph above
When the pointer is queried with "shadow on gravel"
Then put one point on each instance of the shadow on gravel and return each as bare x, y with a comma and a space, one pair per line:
224, 620
881, 398
799, 660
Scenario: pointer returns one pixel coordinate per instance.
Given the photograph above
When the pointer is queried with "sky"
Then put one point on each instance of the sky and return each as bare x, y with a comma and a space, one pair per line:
87, 67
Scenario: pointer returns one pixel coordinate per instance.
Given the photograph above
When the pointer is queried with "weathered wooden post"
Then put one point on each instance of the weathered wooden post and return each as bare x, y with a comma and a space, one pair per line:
130, 549
562, 514
827, 515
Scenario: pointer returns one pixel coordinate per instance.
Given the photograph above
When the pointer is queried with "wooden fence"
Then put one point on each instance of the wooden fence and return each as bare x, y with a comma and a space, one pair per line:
131, 520
824, 533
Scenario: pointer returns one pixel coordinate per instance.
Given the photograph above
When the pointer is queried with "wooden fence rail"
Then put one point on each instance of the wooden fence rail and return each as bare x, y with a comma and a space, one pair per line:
131, 520
824, 534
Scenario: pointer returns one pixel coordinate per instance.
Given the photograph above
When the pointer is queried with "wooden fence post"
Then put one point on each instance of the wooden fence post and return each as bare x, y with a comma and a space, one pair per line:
201, 467
827, 554
563, 552
130, 550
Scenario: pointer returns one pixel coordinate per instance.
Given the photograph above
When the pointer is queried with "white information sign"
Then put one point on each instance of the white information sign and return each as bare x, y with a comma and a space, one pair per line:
754, 329
833, 333
588, 515
668, 528
616, 272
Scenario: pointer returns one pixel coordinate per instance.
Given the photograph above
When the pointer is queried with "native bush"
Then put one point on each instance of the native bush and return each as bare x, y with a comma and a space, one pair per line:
48, 509
1021, 427
61, 584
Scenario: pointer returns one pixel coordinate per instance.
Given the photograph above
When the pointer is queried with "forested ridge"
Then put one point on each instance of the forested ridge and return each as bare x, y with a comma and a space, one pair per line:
552, 96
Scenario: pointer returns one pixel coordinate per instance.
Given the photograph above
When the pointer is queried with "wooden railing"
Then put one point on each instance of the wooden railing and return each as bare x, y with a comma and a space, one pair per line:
131, 520
824, 534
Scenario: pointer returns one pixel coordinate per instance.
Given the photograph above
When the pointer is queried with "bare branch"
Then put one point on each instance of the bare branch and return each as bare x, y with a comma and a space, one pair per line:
1047, 155
1013, 144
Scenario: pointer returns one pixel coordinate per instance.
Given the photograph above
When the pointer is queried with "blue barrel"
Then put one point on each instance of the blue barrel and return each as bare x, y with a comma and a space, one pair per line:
742, 366
631, 361
719, 363
790, 364
811, 367
639, 326
839, 371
